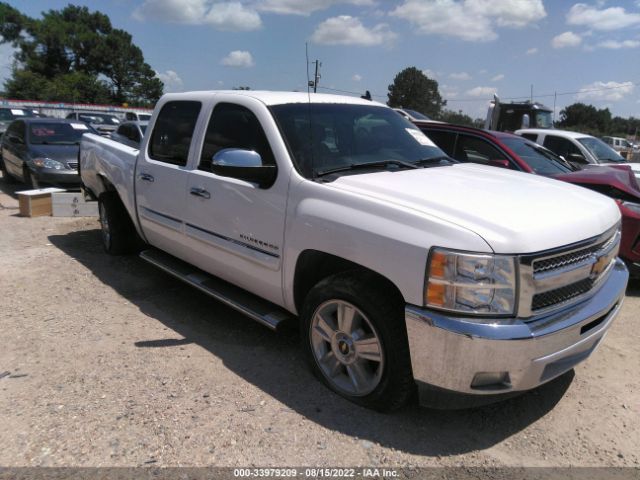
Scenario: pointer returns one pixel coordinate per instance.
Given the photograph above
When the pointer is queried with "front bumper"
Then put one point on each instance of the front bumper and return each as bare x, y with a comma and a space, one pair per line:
66, 178
455, 355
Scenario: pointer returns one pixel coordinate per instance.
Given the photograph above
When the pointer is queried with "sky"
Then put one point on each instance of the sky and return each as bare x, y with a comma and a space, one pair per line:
580, 51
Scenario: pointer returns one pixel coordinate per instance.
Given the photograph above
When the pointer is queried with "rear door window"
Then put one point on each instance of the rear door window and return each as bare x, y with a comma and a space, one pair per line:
476, 150
445, 140
173, 131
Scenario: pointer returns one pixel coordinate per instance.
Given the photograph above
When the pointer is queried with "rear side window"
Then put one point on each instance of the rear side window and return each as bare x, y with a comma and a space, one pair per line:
173, 131
234, 126
531, 136
560, 146
445, 140
476, 150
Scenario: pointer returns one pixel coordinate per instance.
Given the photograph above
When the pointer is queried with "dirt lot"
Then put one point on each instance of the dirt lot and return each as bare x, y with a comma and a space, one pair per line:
113, 363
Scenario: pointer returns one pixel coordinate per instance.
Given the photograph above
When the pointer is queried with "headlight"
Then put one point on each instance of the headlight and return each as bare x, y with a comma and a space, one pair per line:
634, 207
481, 284
48, 163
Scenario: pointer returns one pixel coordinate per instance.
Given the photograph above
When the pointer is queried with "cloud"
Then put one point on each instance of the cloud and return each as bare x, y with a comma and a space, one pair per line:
612, 18
615, 45
6, 61
532, 51
172, 81
498, 77
347, 30
471, 20
305, 7
460, 76
430, 73
481, 91
608, 91
230, 16
356, 77
448, 91
238, 59
566, 39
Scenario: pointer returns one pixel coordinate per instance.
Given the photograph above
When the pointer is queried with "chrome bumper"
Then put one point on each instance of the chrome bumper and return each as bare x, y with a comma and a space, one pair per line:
455, 355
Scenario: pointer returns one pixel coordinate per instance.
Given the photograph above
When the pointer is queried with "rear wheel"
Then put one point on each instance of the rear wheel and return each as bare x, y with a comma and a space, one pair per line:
119, 236
355, 340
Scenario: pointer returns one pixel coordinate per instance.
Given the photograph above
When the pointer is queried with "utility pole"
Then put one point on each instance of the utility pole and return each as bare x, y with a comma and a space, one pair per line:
316, 77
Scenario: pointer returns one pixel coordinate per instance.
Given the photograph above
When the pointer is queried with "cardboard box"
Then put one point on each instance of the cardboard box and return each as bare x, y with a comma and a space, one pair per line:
36, 203
72, 204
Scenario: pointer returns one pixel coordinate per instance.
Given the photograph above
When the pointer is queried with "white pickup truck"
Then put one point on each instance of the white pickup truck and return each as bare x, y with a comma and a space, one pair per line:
402, 267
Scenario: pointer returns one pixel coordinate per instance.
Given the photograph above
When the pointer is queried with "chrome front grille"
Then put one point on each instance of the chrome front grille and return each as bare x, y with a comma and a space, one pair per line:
552, 279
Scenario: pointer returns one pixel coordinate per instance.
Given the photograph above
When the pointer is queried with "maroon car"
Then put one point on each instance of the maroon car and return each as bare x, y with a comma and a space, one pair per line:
506, 150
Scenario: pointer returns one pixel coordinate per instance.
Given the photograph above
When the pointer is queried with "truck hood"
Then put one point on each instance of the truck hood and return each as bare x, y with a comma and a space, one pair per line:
513, 212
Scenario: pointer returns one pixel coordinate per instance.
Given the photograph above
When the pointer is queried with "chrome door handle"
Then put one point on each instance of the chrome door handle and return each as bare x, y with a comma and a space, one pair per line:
146, 177
200, 192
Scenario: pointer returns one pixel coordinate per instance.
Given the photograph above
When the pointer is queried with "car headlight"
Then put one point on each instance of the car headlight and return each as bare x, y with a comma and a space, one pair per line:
634, 207
48, 163
474, 284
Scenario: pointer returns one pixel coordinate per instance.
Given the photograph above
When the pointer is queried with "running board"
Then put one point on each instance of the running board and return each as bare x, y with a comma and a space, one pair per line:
254, 307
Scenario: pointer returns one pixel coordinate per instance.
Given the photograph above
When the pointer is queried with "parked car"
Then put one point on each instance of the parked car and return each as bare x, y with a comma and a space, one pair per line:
42, 150
130, 133
8, 115
621, 145
579, 149
515, 152
137, 116
411, 114
104, 123
402, 267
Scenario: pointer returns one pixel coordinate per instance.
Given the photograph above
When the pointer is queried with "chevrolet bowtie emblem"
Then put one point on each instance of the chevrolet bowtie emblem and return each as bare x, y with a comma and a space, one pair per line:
599, 266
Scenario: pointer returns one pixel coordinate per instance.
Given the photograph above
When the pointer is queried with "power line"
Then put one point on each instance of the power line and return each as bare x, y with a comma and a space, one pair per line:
524, 97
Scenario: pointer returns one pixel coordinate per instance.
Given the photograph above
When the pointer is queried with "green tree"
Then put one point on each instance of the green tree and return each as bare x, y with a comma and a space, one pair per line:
80, 47
585, 118
458, 117
414, 90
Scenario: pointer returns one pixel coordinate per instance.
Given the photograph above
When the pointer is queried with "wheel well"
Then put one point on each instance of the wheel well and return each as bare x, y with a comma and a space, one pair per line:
313, 266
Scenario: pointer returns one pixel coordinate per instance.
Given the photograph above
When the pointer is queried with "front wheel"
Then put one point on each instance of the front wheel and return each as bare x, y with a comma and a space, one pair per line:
355, 340
6, 176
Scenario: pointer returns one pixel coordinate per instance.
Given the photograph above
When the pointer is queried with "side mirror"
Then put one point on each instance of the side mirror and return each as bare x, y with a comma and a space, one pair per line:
577, 157
243, 165
498, 163
526, 121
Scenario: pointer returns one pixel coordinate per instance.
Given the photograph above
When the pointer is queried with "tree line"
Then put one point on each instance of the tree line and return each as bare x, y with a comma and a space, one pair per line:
412, 89
75, 55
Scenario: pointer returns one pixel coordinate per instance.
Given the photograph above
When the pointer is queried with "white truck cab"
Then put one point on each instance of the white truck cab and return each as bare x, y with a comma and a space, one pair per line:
402, 267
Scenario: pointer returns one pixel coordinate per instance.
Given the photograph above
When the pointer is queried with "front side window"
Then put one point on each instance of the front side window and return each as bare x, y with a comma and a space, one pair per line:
561, 146
171, 137
234, 126
325, 137
476, 150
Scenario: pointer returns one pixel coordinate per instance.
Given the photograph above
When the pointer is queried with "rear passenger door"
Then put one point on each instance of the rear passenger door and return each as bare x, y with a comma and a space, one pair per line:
161, 175
234, 228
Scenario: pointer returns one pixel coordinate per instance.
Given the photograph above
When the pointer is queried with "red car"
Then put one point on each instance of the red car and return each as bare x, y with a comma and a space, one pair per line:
506, 150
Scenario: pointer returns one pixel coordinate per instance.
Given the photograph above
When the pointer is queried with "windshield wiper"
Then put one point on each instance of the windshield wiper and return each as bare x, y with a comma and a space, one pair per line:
357, 166
438, 159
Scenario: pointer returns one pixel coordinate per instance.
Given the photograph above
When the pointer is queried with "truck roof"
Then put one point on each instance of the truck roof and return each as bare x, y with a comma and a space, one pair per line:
553, 131
274, 97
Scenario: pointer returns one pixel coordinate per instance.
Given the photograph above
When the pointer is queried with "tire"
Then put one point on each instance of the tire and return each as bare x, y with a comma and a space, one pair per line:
367, 363
30, 179
6, 176
119, 236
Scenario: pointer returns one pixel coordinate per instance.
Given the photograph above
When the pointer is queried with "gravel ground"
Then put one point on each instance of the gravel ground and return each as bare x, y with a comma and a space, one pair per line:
113, 363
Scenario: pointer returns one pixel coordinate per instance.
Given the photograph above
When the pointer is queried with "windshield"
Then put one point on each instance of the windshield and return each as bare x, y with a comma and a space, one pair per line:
101, 118
324, 136
8, 114
600, 150
51, 133
541, 160
543, 119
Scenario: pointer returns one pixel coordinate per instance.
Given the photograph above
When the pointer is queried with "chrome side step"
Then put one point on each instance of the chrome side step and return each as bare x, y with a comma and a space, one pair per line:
252, 306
